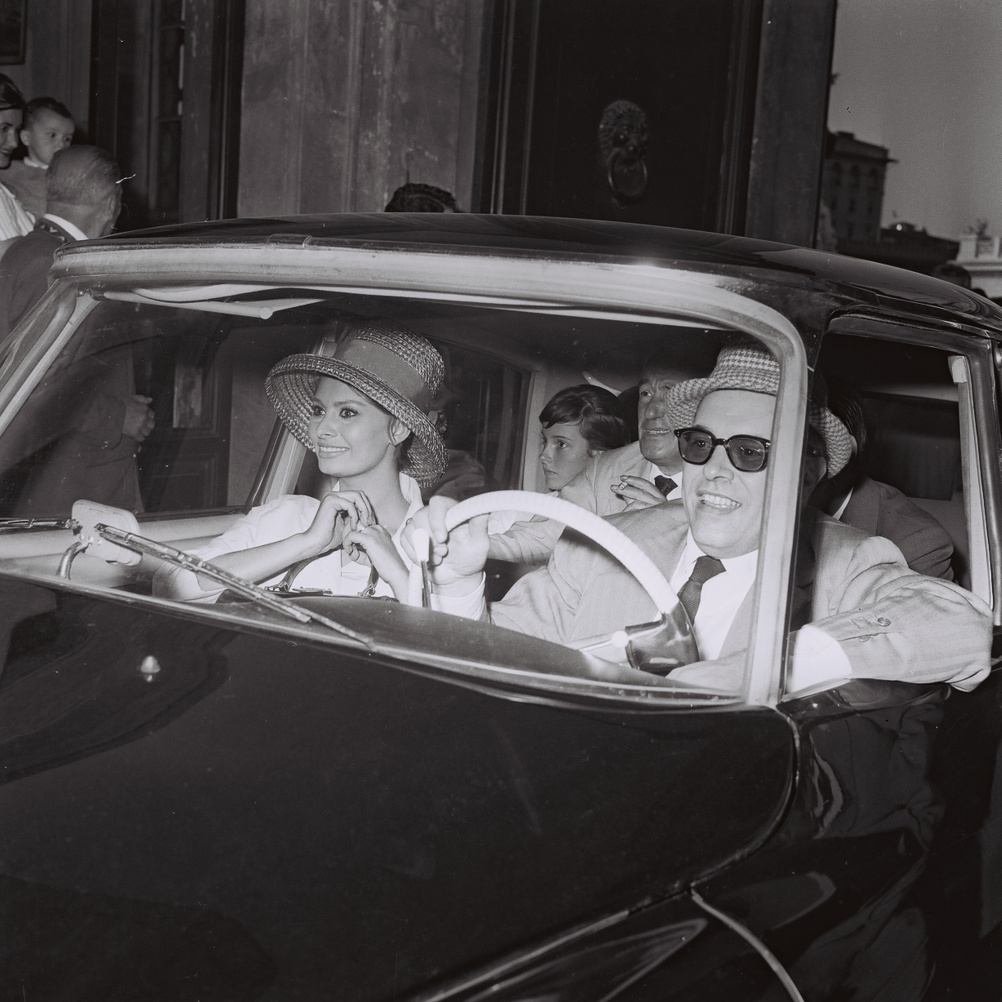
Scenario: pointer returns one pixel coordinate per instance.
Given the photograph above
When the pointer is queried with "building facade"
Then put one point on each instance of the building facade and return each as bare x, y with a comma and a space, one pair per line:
852, 187
981, 257
217, 108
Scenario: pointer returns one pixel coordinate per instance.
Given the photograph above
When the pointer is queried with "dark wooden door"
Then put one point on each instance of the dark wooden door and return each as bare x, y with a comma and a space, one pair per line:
168, 108
677, 78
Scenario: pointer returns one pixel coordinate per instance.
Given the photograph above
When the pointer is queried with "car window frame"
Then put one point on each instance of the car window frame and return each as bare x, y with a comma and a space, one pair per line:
32, 350
979, 429
572, 285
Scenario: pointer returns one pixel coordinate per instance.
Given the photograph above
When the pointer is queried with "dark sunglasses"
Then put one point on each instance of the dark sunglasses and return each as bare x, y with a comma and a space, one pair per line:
747, 453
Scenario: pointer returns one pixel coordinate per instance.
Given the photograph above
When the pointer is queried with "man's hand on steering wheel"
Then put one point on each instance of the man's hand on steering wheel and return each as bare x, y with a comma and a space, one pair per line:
457, 555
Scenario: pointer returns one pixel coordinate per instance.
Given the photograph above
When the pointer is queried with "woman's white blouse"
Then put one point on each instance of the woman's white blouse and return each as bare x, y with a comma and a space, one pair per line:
294, 513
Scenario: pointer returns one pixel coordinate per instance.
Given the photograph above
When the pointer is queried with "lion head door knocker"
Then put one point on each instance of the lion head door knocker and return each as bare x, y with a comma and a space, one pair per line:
622, 140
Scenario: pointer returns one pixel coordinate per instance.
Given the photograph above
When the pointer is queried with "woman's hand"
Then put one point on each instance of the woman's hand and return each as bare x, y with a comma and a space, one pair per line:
374, 545
340, 513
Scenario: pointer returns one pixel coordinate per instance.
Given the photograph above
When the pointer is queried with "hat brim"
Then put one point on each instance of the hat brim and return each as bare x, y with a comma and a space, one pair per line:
290, 387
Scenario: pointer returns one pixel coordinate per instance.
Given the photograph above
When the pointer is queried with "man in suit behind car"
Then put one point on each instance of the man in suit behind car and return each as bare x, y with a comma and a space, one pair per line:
95, 454
83, 199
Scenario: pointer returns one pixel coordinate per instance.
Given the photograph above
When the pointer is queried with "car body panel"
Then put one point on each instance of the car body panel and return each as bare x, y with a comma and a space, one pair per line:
809, 280
240, 767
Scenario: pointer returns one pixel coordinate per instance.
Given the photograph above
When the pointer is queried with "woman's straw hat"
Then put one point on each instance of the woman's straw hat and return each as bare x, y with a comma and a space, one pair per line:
398, 369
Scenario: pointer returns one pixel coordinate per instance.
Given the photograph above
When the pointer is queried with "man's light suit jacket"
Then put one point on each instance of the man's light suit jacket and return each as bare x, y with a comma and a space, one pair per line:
532, 541
890, 622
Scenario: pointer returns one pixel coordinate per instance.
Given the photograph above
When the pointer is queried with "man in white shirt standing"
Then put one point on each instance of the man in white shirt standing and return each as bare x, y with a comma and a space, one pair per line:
858, 610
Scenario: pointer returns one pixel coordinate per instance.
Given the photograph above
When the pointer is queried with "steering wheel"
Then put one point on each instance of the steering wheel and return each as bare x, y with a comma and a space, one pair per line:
657, 648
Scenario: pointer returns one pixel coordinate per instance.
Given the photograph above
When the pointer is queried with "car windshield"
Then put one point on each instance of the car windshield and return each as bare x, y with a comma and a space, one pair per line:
202, 376
153, 402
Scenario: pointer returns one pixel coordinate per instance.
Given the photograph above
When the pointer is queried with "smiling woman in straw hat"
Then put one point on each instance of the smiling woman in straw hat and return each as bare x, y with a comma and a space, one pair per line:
364, 413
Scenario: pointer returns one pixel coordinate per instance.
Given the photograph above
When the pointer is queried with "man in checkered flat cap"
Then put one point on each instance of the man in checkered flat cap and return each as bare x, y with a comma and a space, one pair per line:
858, 610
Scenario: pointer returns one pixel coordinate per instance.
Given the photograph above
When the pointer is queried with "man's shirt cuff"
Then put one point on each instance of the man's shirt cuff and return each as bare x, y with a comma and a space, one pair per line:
471, 606
818, 661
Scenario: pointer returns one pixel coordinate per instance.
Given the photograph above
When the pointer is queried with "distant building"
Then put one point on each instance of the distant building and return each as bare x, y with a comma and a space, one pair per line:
981, 256
852, 186
852, 199
906, 246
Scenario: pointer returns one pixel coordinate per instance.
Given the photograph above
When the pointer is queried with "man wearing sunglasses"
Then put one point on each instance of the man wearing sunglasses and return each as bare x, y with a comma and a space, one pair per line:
858, 609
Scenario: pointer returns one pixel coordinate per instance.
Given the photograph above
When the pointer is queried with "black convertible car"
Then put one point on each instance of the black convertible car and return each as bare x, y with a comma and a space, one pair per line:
293, 798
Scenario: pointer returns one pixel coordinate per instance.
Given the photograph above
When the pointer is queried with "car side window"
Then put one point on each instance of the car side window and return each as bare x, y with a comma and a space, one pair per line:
909, 407
147, 408
919, 479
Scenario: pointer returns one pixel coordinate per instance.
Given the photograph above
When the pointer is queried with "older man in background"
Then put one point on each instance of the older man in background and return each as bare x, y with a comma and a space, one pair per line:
95, 456
643, 473
83, 198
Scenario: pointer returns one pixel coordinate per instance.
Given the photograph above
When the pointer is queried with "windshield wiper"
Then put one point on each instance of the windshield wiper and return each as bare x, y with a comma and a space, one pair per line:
248, 589
20, 524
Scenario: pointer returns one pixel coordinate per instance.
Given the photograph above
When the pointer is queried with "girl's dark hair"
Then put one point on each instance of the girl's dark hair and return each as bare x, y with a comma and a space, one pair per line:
10, 96
594, 409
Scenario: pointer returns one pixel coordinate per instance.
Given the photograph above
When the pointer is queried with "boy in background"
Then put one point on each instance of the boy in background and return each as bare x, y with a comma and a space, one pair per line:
48, 126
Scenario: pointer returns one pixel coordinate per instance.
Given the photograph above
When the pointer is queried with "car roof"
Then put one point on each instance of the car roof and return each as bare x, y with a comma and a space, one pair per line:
764, 270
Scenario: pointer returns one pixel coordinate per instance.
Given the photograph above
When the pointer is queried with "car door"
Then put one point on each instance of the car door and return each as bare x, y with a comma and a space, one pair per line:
893, 831
180, 787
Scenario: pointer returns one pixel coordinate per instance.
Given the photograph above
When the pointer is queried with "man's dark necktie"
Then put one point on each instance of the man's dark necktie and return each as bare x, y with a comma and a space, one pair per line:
664, 484
689, 595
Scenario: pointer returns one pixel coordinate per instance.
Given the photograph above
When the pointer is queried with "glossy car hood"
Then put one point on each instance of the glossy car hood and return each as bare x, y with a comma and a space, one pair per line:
286, 816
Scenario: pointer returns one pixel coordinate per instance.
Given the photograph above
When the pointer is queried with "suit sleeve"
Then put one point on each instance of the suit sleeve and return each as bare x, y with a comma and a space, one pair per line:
545, 602
27, 288
925, 544
532, 541
927, 548
895, 624
24, 275
580, 595
583, 592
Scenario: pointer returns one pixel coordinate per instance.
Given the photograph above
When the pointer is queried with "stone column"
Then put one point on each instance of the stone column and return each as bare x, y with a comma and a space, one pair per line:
342, 97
